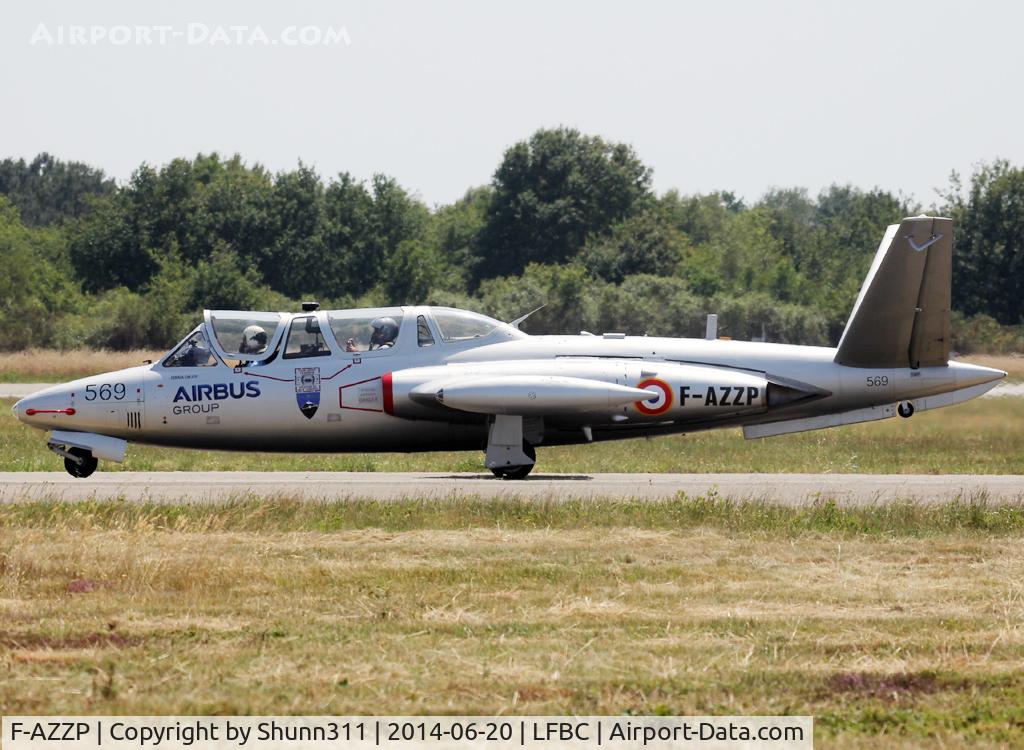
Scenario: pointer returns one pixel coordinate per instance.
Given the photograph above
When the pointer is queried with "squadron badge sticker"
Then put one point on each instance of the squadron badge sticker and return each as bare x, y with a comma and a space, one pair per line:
307, 390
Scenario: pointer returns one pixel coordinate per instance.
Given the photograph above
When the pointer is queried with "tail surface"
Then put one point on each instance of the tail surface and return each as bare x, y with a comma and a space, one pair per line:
901, 317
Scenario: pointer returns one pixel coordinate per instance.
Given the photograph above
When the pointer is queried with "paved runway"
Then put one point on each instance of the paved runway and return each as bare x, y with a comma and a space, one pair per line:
20, 390
854, 489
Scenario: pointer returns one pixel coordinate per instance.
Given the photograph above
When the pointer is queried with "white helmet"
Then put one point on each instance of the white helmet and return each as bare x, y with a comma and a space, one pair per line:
254, 340
385, 331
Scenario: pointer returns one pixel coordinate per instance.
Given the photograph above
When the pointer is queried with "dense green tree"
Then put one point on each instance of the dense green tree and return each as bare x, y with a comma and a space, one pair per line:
852, 224
455, 231
743, 256
414, 269
651, 305
568, 221
988, 257
292, 232
397, 215
646, 243
222, 283
700, 217
294, 263
230, 205
552, 193
835, 235
47, 190
122, 319
570, 295
761, 317
37, 288
793, 223
109, 247
351, 264
182, 211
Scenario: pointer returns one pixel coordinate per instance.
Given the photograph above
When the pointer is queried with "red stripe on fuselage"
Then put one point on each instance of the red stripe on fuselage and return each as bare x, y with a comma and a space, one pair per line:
389, 396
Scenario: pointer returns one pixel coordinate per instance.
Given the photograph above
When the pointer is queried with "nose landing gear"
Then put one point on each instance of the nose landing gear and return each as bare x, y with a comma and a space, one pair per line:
905, 409
81, 463
78, 462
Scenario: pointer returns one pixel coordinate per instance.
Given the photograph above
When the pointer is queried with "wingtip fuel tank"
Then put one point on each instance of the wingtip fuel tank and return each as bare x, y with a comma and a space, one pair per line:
528, 395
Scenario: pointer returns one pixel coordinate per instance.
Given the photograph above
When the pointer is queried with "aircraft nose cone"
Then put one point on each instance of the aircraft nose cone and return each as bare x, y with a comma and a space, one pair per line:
45, 408
24, 409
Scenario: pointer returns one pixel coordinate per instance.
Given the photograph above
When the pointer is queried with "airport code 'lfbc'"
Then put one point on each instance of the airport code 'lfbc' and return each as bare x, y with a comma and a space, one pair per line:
321, 732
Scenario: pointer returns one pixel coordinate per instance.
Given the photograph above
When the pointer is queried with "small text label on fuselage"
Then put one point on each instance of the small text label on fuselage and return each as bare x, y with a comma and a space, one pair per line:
722, 395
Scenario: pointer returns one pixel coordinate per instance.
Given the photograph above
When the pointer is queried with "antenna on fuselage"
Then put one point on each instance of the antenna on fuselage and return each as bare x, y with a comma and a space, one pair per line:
711, 327
515, 323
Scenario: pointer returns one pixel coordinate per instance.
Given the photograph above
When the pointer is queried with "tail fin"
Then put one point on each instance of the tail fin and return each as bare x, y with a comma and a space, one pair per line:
901, 317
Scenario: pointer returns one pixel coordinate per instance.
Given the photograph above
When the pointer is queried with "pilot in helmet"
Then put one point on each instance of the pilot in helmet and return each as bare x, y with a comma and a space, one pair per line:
197, 353
385, 331
254, 340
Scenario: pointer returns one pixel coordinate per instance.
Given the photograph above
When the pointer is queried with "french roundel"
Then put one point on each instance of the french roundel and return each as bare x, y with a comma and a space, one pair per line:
659, 404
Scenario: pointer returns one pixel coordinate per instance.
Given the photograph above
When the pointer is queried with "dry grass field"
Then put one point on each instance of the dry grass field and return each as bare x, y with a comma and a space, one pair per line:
896, 627
48, 365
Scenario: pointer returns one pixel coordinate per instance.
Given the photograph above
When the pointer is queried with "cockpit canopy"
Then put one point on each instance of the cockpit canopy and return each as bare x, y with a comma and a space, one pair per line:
462, 325
366, 330
245, 335
235, 336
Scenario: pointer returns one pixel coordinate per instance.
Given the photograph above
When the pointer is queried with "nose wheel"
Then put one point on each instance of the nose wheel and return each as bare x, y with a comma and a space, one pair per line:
80, 463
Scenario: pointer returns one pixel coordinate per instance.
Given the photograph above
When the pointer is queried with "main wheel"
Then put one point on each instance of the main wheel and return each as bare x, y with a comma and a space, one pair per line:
518, 472
83, 469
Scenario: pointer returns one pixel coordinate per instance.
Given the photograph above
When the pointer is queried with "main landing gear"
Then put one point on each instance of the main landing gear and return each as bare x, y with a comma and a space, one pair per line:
517, 472
509, 455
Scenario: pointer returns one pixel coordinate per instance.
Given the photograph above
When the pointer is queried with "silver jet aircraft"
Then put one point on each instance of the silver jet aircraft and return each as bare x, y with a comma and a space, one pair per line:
434, 378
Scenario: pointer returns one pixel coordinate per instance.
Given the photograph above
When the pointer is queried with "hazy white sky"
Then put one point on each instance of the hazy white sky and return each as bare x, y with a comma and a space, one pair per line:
737, 95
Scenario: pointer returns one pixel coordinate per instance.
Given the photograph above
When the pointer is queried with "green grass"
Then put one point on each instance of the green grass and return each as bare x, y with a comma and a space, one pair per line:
985, 436
894, 626
283, 514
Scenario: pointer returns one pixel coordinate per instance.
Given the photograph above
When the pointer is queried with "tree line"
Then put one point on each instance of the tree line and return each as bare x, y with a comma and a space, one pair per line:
568, 220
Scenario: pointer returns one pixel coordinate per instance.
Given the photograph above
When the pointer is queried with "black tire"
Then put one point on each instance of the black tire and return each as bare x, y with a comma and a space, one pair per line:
84, 469
518, 472
905, 409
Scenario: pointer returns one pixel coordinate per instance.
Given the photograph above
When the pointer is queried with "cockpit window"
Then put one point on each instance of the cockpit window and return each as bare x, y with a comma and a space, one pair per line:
462, 325
194, 352
423, 335
356, 331
305, 339
245, 335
